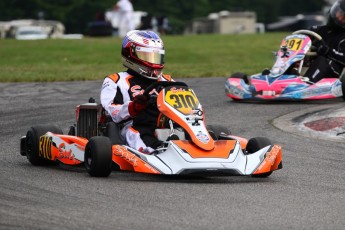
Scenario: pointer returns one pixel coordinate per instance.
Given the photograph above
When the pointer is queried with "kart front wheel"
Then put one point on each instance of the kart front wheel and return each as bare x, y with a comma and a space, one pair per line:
254, 145
216, 130
32, 143
98, 156
240, 75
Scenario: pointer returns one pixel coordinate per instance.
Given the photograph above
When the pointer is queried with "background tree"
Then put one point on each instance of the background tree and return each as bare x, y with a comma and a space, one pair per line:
75, 14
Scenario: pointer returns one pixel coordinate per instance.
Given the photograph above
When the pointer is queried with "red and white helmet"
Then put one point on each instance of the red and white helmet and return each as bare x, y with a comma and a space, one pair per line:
143, 52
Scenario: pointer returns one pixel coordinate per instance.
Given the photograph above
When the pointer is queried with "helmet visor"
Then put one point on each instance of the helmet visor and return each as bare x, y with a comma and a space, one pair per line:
151, 55
338, 15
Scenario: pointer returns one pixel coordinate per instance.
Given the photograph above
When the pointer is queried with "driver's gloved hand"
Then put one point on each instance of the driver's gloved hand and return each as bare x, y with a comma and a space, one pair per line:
321, 48
138, 104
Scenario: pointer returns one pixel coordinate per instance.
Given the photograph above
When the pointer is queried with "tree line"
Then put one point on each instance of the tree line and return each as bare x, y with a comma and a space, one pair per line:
75, 14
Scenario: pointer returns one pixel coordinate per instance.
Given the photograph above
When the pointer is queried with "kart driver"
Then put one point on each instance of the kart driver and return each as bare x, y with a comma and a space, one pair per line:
121, 95
331, 50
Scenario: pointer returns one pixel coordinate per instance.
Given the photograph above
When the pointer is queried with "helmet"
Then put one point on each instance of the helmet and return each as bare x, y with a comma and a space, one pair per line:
337, 14
143, 52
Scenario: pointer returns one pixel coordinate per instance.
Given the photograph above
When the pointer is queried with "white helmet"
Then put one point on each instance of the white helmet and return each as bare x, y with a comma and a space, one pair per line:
143, 52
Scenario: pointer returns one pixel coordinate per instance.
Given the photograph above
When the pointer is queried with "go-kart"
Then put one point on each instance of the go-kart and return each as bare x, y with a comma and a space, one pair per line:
285, 81
189, 146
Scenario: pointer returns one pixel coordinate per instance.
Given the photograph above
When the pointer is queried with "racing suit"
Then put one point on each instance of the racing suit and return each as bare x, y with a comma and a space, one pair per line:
330, 64
118, 90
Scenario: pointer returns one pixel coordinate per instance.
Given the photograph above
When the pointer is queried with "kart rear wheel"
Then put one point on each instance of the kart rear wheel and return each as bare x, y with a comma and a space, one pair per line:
343, 86
32, 143
240, 75
216, 130
255, 144
98, 156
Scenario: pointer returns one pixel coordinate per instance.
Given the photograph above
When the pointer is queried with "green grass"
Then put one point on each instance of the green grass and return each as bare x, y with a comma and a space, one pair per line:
94, 58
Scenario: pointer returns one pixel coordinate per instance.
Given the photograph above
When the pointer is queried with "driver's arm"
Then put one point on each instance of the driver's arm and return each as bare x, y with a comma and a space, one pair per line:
338, 55
113, 101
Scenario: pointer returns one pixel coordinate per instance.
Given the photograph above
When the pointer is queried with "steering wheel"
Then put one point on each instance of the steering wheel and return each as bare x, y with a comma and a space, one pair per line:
162, 84
314, 36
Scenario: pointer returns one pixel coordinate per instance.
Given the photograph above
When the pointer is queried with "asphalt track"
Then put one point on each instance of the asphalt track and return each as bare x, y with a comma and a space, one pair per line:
308, 193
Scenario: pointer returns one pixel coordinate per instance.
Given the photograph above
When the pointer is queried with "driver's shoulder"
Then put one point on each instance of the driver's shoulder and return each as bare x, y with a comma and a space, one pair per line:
166, 77
321, 30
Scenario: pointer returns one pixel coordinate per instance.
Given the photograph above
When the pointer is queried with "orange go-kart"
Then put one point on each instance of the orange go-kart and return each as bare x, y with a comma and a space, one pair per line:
190, 147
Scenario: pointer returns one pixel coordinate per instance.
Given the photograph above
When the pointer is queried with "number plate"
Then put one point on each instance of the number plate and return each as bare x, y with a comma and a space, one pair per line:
183, 100
294, 44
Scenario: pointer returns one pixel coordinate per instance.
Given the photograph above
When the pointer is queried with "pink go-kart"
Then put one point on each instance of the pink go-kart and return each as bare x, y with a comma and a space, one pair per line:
285, 80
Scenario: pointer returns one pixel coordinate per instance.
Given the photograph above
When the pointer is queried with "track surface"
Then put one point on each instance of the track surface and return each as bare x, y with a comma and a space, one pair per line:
308, 193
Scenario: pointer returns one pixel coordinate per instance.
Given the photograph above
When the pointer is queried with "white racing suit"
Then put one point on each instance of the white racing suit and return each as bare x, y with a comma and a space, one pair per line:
118, 90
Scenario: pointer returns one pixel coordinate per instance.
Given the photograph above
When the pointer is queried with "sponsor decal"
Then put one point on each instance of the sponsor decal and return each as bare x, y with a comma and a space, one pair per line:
202, 137
105, 84
197, 112
175, 90
137, 90
270, 157
146, 41
232, 89
115, 112
268, 93
45, 144
63, 153
336, 89
315, 92
122, 151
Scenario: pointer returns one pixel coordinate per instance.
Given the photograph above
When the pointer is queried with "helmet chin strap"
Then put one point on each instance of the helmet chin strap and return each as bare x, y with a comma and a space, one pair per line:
153, 74
142, 71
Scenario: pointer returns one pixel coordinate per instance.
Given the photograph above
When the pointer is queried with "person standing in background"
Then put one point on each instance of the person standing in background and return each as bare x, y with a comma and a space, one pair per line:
125, 9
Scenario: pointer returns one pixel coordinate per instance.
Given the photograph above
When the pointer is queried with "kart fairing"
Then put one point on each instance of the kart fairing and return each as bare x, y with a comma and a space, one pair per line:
280, 83
284, 87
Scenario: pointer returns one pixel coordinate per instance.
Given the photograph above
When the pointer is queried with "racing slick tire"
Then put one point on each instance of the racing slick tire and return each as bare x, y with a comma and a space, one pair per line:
240, 75
32, 143
343, 86
255, 144
98, 156
216, 130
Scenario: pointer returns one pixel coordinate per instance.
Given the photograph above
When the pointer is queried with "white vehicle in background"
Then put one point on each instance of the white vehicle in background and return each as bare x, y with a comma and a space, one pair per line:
30, 33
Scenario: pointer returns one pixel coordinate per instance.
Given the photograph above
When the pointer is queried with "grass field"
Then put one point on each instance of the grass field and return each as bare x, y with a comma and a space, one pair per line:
94, 58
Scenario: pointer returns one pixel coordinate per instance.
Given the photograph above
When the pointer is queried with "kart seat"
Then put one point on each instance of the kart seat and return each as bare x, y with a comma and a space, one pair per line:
113, 132
166, 135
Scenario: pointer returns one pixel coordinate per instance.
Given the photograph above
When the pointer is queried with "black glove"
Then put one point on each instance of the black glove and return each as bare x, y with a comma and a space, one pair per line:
321, 48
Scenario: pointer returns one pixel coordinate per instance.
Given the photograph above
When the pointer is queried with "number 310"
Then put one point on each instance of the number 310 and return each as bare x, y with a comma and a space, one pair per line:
183, 101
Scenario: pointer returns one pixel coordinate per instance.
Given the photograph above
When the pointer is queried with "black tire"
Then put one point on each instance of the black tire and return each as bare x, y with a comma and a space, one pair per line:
98, 156
241, 76
255, 144
32, 143
113, 132
216, 130
343, 86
